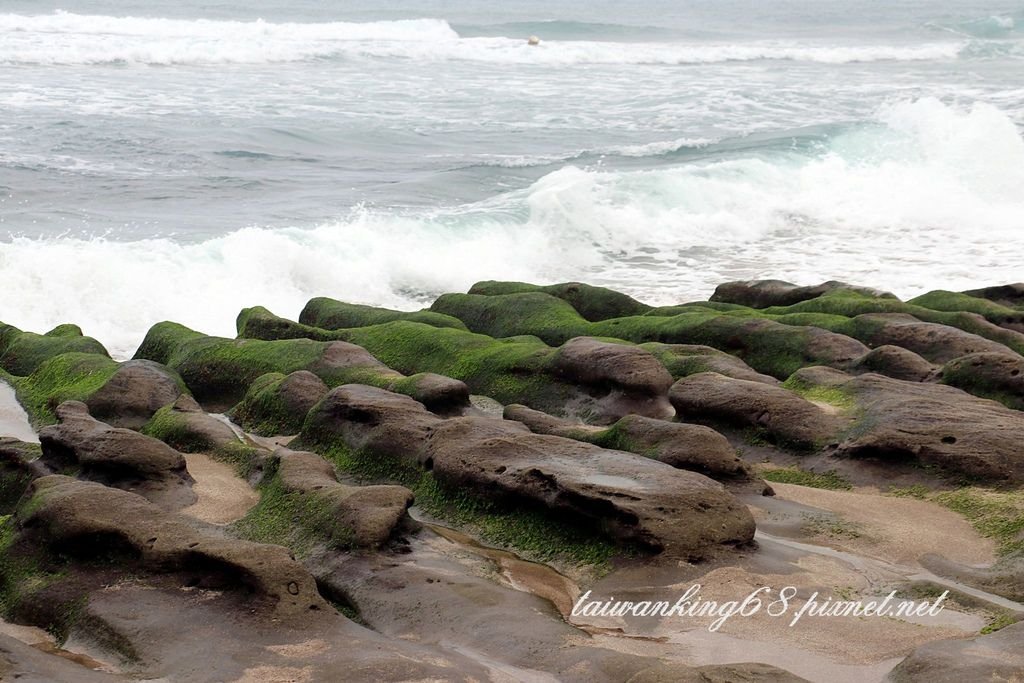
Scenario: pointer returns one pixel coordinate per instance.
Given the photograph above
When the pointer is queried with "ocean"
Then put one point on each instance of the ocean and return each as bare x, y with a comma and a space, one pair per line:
182, 160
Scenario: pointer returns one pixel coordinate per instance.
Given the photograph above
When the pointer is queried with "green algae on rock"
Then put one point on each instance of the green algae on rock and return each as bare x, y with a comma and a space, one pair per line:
22, 352
123, 394
593, 303
330, 314
219, 371
633, 500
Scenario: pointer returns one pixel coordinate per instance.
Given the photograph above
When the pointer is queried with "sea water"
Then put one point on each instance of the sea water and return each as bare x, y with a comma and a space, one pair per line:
182, 160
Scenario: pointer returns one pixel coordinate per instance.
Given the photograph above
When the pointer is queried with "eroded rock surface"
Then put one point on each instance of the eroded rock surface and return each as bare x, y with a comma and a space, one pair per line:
115, 456
636, 499
778, 413
684, 446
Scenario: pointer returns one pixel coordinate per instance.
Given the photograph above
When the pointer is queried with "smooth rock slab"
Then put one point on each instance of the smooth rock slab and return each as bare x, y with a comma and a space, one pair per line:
997, 656
684, 446
781, 414
766, 293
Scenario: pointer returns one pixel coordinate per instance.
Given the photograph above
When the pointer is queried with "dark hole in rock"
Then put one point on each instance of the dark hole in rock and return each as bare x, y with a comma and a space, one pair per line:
214, 574
99, 547
949, 439
428, 464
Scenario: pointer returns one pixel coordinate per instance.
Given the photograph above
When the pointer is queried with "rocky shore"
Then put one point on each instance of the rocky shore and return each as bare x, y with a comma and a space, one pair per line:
373, 495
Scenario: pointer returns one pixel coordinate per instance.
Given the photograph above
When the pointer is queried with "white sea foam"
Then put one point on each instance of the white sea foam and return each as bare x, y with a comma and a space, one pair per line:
928, 196
65, 38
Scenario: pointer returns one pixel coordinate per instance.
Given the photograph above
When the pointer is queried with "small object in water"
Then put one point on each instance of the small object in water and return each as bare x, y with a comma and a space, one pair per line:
534, 40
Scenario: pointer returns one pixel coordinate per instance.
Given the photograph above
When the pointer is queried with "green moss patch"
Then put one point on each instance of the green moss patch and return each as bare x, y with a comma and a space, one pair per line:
534, 534
831, 480
329, 314
546, 317
593, 303
263, 412
508, 370
22, 352
833, 396
299, 521
67, 377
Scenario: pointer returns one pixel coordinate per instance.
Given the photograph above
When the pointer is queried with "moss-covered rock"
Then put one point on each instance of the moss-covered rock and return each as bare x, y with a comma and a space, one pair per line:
768, 346
219, 371
539, 314
683, 360
121, 394
596, 380
1011, 295
22, 352
18, 467
631, 499
259, 323
303, 505
593, 303
67, 377
942, 300
851, 313
329, 314
186, 427
277, 404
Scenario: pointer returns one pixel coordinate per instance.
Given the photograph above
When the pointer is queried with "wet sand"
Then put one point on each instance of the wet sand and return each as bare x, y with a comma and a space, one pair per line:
223, 496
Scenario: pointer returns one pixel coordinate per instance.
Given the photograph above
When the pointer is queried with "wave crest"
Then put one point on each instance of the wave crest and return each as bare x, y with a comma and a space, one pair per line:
65, 38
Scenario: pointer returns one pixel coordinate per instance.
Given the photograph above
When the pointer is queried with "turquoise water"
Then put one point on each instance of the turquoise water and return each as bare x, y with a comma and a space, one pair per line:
182, 160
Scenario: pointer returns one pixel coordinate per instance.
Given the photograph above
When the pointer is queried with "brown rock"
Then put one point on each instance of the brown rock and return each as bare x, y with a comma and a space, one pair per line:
134, 393
684, 446
779, 413
895, 361
636, 376
999, 376
115, 456
935, 342
716, 673
301, 390
997, 656
765, 293
635, 499
88, 520
931, 424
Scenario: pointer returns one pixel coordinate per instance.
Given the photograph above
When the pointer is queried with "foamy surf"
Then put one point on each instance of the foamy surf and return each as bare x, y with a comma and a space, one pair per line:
926, 196
74, 39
